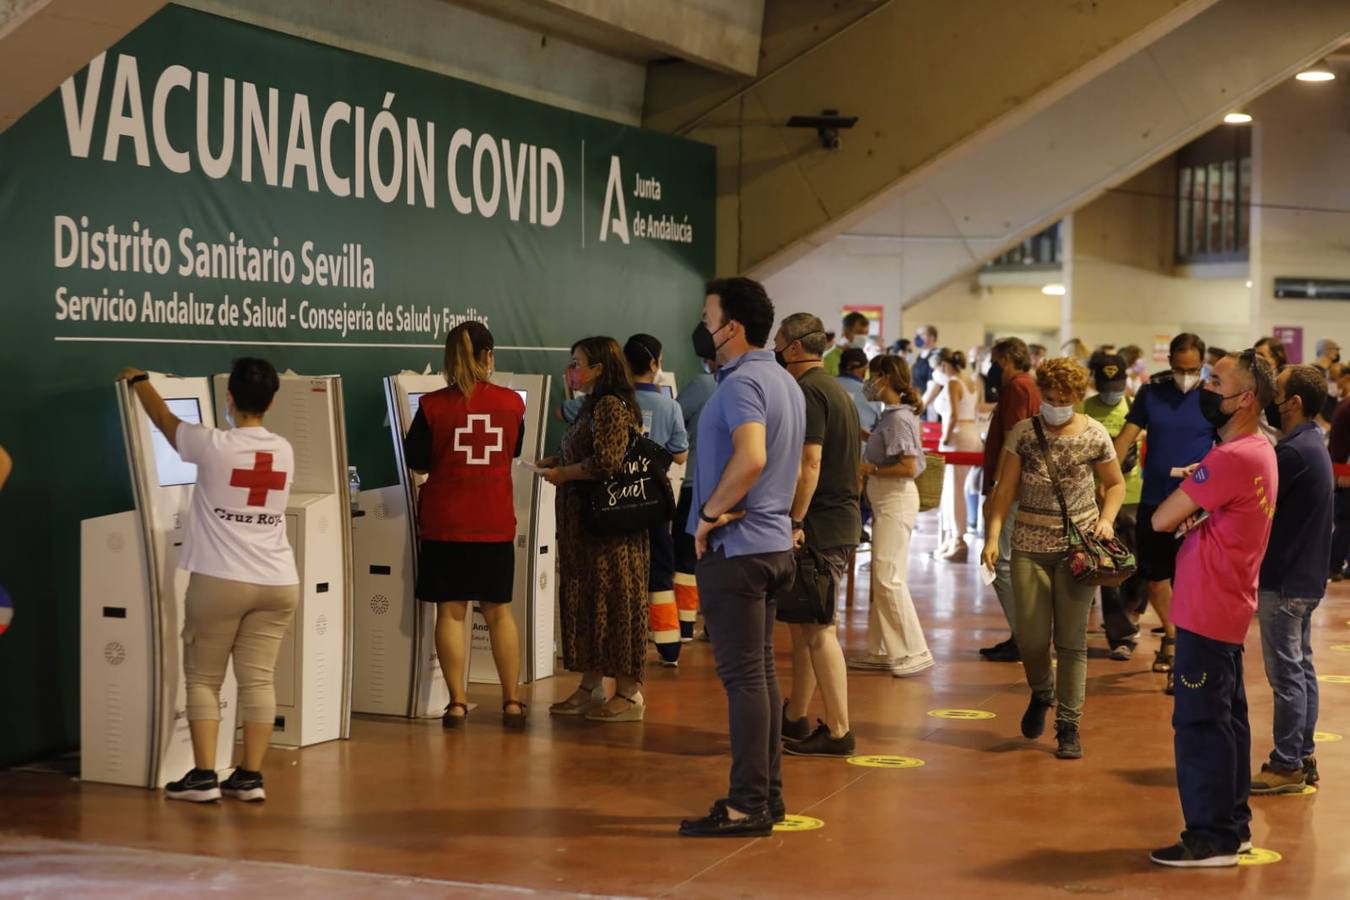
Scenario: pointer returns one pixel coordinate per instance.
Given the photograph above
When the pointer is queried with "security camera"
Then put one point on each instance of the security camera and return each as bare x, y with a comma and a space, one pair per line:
827, 125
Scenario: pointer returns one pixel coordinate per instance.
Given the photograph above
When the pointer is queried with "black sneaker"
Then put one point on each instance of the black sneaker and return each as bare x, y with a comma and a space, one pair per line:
244, 785
718, 823
795, 730
1310, 770
1066, 734
1196, 855
821, 744
198, 785
1033, 720
1004, 651
778, 809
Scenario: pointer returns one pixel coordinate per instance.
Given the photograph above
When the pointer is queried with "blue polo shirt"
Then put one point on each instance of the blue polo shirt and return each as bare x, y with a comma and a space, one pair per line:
754, 388
868, 411
693, 397
1178, 435
1298, 555
662, 420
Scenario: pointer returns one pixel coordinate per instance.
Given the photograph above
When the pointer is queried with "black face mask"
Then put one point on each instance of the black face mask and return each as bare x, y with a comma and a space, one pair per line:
1273, 415
704, 345
1211, 407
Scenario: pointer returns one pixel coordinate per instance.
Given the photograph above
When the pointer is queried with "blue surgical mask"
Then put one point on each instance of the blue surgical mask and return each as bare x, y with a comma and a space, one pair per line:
1112, 398
918, 341
1055, 416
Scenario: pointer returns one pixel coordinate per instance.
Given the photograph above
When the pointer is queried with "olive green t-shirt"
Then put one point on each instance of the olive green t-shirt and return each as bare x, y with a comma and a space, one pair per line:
833, 518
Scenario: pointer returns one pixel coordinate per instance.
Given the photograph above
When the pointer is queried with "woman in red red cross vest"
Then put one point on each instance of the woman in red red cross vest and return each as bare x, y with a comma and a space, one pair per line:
464, 437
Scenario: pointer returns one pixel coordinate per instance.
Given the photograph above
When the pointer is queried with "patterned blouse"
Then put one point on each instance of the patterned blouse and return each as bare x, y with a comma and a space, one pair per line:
1040, 525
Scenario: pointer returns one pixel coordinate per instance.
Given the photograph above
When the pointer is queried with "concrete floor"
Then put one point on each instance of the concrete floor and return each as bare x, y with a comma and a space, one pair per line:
574, 807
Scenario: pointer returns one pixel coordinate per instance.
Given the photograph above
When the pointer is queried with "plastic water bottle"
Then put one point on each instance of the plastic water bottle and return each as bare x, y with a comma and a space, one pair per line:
354, 484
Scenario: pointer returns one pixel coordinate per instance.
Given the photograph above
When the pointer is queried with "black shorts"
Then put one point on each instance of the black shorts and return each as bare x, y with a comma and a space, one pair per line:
1155, 551
464, 571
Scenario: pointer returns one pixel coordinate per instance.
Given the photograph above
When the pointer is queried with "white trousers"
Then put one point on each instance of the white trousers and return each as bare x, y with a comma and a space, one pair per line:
893, 627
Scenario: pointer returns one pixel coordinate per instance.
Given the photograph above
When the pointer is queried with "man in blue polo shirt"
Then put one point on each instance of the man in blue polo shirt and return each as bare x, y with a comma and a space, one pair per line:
1168, 408
1294, 579
750, 437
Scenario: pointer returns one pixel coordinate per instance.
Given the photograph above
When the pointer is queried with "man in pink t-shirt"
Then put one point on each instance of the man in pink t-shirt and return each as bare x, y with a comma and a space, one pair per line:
1226, 505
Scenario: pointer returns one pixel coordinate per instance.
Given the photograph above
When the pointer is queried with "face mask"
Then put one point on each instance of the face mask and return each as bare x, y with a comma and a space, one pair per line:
1334, 390
1211, 406
779, 358
1274, 415
995, 373
1056, 416
1186, 383
574, 382
871, 393
1112, 398
860, 341
705, 366
1140, 367
704, 348
919, 341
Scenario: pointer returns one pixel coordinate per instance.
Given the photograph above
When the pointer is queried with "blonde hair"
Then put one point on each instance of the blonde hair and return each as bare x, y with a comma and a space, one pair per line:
466, 350
1064, 374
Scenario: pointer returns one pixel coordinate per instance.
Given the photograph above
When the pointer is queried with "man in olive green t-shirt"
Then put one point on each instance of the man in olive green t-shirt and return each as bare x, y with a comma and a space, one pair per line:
1109, 406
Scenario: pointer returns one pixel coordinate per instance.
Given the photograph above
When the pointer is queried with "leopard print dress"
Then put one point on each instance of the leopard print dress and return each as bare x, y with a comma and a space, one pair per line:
603, 580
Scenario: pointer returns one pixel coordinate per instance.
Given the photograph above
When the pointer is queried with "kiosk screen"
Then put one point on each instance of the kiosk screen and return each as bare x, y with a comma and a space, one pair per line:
170, 466
667, 390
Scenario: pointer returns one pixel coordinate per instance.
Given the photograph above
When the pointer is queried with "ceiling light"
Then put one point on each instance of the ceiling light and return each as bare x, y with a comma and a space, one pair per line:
1237, 118
1054, 290
1249, 284
1319, 72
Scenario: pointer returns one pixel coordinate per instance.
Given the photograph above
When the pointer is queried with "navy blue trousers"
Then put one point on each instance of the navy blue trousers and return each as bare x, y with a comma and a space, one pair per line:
1213, 741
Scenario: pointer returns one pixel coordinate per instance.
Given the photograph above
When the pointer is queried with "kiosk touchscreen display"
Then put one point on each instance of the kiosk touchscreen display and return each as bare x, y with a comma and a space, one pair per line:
170, 466
414, 400
667, 390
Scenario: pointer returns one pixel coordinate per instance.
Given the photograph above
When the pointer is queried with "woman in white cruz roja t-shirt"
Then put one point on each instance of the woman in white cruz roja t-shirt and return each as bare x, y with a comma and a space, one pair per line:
243, 588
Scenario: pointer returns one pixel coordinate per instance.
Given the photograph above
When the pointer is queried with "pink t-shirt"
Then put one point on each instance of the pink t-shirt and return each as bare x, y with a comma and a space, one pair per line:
1218, 565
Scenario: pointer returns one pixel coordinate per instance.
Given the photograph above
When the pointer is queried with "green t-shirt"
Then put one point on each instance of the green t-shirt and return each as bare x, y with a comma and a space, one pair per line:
831, 360
833, 518
1113, 420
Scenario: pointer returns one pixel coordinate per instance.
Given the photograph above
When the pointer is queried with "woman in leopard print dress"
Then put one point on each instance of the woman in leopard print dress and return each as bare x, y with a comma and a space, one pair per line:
602, 579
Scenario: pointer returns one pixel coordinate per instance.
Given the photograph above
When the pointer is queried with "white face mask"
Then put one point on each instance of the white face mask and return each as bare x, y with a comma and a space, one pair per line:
1112, 398
860, 341
1056, 416
941, 377
1186, 383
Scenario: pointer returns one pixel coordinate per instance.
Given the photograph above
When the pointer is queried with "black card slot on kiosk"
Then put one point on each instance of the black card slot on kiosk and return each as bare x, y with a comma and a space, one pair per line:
397, 671
133, 717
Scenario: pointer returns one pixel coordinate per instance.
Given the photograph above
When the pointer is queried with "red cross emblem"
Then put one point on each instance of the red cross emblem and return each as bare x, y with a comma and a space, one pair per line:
260, 480
471, 439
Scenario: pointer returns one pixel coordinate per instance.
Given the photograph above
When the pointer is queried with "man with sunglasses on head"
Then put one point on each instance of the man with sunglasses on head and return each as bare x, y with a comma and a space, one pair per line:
1169, 409
1224, 507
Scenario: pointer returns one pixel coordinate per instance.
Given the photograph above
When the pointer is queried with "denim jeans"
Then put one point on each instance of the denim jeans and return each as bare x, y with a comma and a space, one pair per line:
1286, 629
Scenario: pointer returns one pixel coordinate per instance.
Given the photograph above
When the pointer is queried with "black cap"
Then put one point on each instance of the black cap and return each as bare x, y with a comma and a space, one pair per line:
852, 358
1108, 371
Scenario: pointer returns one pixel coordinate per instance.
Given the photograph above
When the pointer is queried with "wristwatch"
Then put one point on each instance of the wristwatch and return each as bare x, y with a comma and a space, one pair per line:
798, 525
137, 379
711, 520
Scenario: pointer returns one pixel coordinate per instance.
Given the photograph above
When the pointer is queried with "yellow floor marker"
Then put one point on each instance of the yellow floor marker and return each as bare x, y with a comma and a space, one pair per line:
1343, 648
799, 823
1334, 679
1258, 856
1305, 791
1327, 737
960, 714
885, 762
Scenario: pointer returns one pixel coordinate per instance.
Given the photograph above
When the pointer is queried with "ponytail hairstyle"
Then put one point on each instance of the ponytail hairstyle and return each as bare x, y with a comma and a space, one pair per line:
954, 358
466, 349
894, 371
641, 351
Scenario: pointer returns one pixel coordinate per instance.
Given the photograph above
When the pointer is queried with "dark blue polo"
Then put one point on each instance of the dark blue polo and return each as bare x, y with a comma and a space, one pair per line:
1298, 556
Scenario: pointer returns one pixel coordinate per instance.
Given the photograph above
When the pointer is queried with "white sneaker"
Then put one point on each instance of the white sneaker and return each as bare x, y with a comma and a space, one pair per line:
913, 665
873, 662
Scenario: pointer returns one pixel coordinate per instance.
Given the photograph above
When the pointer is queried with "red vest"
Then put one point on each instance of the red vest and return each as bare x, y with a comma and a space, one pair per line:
467, 495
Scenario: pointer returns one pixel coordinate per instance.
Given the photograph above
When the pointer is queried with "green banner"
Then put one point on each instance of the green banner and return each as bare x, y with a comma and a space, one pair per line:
207, 189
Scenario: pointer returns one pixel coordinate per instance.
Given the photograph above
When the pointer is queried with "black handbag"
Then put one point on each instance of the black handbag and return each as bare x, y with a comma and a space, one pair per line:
638, 496
810, 600
1101, 563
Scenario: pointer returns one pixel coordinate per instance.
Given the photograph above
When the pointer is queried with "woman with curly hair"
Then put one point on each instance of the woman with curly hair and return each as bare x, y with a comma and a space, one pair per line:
1050, 604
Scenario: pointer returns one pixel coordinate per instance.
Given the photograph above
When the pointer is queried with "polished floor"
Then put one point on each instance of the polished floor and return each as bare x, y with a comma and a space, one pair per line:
570, 807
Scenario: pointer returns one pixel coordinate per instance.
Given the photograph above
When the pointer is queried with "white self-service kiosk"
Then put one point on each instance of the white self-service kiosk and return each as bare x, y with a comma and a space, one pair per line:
133, 717
397, 671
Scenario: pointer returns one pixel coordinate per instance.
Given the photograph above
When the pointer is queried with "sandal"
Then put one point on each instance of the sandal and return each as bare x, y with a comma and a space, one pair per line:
578, 702
514, 721
1162, 660
449, 721
633, 713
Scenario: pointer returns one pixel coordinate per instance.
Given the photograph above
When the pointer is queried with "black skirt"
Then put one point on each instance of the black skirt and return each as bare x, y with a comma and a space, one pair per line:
465, 571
